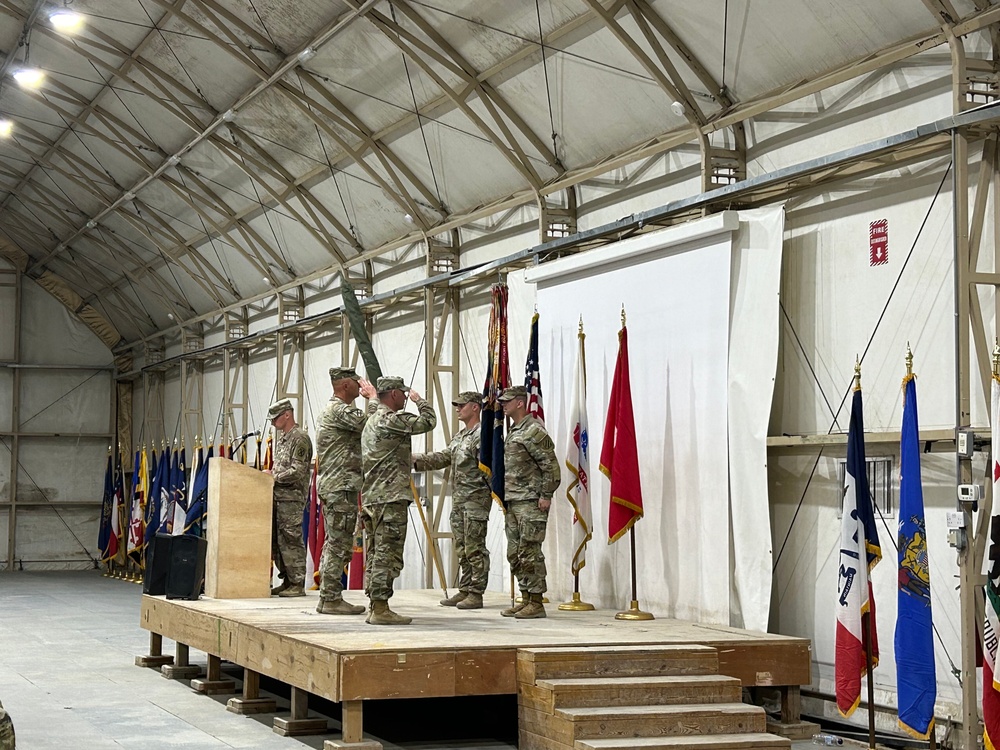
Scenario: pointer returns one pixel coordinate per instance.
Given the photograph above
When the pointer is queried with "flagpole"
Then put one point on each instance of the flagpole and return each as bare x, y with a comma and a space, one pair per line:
633, 612
866, 625
577, 604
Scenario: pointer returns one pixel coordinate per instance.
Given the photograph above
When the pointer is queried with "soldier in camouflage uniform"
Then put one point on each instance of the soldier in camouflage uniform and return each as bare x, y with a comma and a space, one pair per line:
385, 452
6, 730
338, 448
470, 502
291, 472
531, 476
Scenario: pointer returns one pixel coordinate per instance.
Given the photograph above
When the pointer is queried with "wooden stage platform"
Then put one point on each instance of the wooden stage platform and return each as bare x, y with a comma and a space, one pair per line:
445, 652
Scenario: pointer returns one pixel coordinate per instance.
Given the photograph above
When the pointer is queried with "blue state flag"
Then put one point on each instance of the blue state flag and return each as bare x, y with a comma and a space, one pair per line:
153, 501
104, 536
194, 523
915, 674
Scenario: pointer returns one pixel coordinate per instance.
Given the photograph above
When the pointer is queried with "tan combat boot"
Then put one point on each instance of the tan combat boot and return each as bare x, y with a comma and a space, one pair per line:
454, 599
471, 601
382, 615
512, 611
293, 589
338, 607
280, 587
533, 609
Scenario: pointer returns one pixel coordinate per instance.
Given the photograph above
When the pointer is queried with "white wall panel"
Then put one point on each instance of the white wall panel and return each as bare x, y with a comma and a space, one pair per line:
6, 399
51, 335
7, 298
59, 470
65, 401
57, 538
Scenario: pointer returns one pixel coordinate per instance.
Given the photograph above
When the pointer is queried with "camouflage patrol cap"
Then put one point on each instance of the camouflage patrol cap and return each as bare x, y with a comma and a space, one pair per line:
275, 409
515, 391
339, 373
468, 397
390, 383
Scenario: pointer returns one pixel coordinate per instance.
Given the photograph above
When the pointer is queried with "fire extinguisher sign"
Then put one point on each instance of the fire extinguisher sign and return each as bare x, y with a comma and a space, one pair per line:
879, 242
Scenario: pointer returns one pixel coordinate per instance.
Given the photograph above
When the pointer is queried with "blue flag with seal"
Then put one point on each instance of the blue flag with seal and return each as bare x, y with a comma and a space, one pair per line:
194, 521
916, 682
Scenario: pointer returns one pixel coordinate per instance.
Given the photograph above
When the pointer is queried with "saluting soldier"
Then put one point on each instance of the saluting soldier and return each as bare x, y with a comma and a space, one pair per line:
291, 469
531, 476
338, 448
470, 502
385, 452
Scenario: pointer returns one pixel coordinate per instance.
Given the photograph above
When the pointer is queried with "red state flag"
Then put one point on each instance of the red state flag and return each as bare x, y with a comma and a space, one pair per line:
620, 454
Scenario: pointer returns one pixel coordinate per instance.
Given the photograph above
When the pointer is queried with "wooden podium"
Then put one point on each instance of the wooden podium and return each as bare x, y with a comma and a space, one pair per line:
238, 563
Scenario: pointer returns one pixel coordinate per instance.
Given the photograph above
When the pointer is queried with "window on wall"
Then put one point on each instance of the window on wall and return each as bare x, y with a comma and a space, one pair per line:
879, 484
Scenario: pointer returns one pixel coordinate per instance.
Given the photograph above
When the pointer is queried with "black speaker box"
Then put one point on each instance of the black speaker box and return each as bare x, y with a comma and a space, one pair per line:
187, 567
154, 577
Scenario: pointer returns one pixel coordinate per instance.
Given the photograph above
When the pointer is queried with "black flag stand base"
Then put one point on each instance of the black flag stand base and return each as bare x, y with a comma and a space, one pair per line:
633, 612
576, 605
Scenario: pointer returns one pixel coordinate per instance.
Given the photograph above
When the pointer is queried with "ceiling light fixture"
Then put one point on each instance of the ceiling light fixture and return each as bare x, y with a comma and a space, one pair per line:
91, 224
6, 128
307, 54
173, 160
29, 78
229, 115
66, 21
677, 108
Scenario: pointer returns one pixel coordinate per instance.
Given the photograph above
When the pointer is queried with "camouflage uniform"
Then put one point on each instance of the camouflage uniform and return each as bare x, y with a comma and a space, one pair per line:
291, 472
338, 447
470, 505
531, 471
385, 450
6, 730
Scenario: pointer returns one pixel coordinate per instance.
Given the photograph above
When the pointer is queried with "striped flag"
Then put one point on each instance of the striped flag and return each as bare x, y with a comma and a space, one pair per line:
107, 538
916, 682
578, 461
859, 553
140, 493
532, 378
991, 569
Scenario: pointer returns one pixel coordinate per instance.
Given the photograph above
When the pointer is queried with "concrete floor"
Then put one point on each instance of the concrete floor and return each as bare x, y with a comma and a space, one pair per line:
67, 677
68, 642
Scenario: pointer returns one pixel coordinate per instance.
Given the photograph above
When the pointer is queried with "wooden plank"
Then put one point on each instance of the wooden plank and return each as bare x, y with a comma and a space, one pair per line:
555, 728
641, 691
531, 741
653, 721
419, 674
300, 664
689, 742
198, 629
765, 664
535, 698
539, 664
483, 672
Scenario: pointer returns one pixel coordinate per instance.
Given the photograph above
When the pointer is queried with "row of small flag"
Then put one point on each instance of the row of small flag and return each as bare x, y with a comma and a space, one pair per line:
163, 497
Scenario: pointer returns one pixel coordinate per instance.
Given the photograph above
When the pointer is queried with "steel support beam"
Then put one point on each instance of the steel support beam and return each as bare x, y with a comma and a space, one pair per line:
15, 419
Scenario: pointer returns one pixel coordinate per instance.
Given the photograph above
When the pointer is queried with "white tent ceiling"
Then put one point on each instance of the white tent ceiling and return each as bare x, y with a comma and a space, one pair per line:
184, 155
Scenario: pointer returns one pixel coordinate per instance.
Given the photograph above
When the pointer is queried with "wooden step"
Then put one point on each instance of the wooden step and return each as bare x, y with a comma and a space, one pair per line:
576, 692
703, 742
618, 661
569, 724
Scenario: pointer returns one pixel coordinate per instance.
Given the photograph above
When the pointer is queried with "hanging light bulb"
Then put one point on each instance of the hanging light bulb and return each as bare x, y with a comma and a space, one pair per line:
29, 78
6, 128
66, 21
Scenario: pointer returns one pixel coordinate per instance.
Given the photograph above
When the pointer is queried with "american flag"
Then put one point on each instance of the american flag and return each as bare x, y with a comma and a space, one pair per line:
532, 379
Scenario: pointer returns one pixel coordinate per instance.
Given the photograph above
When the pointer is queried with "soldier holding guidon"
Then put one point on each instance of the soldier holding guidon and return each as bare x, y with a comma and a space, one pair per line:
470, 498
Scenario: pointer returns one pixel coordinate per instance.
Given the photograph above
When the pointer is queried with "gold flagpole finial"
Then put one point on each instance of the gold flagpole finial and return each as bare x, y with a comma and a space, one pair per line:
996, 358
909, 361
110, 449
857, 373
623, 315
581, 325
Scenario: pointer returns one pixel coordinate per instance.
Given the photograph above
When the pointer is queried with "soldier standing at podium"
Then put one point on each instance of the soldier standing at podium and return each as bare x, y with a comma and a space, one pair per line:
338, 448
291, 470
